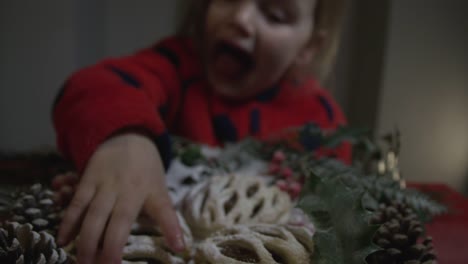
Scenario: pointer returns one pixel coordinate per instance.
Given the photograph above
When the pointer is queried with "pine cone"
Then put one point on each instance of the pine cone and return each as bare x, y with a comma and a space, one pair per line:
398, 235
21, 245
36, 206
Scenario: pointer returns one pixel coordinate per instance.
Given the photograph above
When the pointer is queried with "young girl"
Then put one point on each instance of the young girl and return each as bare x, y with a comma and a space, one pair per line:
239, 68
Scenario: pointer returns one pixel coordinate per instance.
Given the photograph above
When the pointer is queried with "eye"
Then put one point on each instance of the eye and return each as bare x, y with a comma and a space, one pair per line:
275, 15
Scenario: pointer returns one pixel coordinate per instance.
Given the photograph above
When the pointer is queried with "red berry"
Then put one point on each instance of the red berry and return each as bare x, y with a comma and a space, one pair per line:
273, 168
279, 156
282, 185
287, 172
295, 187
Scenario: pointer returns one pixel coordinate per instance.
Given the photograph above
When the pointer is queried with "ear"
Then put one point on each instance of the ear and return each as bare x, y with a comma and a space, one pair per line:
307, 54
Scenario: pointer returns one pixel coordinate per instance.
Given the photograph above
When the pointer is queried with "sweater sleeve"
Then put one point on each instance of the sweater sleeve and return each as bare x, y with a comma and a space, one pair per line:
335, 118
137, 92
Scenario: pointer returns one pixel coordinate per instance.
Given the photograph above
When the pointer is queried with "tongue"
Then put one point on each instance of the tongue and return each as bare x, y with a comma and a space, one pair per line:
228, 65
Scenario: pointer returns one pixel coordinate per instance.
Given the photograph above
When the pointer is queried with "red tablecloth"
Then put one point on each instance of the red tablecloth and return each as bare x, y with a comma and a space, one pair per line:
449, 231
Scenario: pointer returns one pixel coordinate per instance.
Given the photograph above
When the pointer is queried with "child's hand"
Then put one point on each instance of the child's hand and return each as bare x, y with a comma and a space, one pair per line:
123, 175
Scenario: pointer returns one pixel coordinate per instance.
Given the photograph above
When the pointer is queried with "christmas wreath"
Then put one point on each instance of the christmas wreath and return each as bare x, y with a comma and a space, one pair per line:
259, 202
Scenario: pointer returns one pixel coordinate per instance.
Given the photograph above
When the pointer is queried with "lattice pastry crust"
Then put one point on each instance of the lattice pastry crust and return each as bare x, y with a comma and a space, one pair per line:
262, 244
149, 249
222, 202
146, 244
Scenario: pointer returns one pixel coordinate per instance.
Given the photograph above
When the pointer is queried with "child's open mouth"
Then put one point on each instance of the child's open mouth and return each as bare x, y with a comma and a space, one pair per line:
231, 61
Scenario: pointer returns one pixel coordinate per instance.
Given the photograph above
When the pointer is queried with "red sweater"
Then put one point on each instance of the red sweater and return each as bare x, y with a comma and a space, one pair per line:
163, 91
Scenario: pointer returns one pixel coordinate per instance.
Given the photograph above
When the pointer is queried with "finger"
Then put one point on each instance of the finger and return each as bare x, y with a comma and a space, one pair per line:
75, 212
124, 214
159, 208
64, 195
94, 224
69, 178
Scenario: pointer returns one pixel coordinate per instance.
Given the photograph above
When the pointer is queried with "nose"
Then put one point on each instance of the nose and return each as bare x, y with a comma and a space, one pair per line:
242, 18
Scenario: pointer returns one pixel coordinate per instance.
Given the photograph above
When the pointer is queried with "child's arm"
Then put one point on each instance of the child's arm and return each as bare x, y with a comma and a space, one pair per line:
121, 171
116, 94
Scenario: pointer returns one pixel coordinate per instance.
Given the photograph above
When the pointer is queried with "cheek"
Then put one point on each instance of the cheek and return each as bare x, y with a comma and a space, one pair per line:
215, 14
210, 21
281, 47
280, 40
213, 20
277, 55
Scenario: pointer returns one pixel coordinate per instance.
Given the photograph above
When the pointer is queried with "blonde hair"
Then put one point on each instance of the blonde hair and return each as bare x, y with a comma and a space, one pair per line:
328, 19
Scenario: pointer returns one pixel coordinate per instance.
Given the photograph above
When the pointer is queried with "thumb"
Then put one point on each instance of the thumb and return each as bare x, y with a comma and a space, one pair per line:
158, 207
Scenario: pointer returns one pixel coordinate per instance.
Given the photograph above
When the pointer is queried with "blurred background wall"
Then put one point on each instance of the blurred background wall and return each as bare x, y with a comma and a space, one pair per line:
424, 88
403, 64
42, 42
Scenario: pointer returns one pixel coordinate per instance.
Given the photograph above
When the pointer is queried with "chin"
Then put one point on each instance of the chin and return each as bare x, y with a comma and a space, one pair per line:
231, 92
238, 89
230, 89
